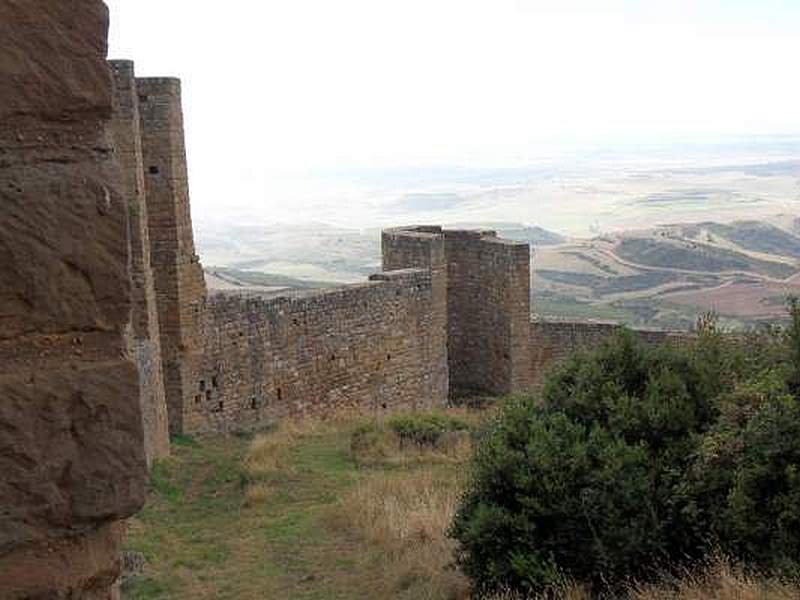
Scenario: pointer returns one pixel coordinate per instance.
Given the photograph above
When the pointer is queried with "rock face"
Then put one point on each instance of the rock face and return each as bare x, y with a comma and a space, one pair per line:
71, 444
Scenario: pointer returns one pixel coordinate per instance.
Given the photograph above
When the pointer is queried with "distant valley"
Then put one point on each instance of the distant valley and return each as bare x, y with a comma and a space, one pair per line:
649, 239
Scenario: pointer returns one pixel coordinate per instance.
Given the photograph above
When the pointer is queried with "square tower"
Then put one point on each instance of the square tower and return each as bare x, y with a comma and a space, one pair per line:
178, 275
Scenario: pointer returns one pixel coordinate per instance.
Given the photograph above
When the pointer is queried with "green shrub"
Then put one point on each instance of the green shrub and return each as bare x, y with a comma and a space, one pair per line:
408, 438
424, 429
637, 459
746, 476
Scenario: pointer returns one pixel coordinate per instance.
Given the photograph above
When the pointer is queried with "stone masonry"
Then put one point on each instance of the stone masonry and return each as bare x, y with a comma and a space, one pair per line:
371, 347
449, 314
178, 276
552, 342
145, 343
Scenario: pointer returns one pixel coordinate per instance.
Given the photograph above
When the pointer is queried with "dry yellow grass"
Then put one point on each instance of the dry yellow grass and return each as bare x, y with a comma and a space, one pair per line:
388, 449
719, 580
257, 493
269, 456
404, 516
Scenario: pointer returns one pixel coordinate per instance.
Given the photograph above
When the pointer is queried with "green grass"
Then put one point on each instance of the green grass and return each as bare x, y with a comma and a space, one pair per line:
202, 539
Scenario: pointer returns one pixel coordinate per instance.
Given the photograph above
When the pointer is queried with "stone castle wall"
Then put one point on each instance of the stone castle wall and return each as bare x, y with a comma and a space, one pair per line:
484, 284
367, 347
144, 338
423, 248
552, 342
488, 289
450, 313
178, 276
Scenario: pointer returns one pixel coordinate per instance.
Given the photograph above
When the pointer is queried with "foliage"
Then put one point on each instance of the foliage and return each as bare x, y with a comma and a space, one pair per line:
637, 458
402, 439
425, 429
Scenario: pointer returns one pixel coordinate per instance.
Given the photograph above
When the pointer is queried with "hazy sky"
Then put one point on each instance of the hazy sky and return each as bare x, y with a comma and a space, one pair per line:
306, 84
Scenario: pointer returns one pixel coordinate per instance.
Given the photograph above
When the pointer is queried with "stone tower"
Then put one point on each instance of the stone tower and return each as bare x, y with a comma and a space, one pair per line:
178, 276
144, 337
488, 305
423, 248
484, 294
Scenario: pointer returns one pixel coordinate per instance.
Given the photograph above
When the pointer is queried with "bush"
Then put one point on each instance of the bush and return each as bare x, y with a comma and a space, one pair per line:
412, 438
637, 459
425, 429
746, 476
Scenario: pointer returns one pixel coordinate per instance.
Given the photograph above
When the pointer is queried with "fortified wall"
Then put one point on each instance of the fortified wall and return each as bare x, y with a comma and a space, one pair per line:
449, 314
552, 342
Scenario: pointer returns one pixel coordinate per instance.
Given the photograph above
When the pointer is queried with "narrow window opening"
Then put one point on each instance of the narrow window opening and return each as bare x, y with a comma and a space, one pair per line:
388, 357
197, 398
153, 170
253, 403
280, 395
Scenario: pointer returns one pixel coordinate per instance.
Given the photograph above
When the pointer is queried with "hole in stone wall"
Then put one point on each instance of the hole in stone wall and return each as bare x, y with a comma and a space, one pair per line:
208, 394
388, 357
253, 403
153, 170
198, 398
280, 395
333, 357
383, 405
214, 381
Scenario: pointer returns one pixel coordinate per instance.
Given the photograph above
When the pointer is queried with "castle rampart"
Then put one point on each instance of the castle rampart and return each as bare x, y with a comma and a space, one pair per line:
552, 342
178, 275
488, 290
366, 347
486, 284
450, 313
144, 338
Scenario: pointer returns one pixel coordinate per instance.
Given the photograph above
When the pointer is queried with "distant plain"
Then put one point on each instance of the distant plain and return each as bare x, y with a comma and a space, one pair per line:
649, 234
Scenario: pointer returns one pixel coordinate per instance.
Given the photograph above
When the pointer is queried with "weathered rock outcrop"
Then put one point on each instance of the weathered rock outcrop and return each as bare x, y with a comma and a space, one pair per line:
72, 461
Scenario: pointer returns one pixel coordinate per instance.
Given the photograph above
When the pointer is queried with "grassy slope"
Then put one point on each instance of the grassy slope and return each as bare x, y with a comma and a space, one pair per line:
329, 529
202, 539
